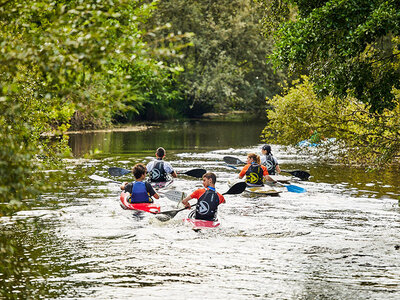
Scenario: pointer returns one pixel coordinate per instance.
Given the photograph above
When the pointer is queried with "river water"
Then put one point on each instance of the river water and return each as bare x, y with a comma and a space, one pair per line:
339, 240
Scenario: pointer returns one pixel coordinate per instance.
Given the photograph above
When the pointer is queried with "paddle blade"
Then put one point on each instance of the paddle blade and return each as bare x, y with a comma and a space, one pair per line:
197, 173
303, 175
176, 196
230, 160
102, 179
237, 188
115, 171
295, 189
168, 215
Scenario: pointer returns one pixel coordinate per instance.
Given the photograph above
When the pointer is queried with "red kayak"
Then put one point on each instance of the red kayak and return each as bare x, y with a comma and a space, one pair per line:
148, 207
197, 224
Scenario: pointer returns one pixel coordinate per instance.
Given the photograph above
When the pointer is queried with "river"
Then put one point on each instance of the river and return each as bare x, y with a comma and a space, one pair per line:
339, 240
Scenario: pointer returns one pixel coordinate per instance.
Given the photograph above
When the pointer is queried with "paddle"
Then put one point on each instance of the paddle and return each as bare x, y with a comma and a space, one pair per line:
303, 175
230, 160
292, 188
168, 215
198, 173
115, 171
173, 195
103, 179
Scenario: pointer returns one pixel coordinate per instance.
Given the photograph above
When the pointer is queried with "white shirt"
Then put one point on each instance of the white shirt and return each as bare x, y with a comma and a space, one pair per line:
167, 166
264, 160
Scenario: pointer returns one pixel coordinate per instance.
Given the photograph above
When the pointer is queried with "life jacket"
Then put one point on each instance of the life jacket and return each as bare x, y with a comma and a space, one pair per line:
207, 205
139, 193
158, 174
254, 174
270, 164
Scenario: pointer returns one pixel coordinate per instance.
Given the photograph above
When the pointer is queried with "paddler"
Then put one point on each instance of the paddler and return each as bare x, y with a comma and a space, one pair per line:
159, 169
208, 199
268, 160
141, 191
255, 173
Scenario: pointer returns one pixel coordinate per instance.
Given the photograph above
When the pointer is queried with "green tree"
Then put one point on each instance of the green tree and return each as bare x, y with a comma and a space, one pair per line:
348, 48
366, 138
225, 68
60, 57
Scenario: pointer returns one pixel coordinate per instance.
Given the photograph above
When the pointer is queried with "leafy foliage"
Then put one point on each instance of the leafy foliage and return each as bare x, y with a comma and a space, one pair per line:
58, 58
226, 67
365, 137
348, 48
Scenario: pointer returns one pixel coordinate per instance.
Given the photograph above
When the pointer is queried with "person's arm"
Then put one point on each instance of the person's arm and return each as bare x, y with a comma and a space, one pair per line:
243, 172
123, 185
221, 198
151, 191
278, 169
196, 194
185, 201
168, 168
266, 175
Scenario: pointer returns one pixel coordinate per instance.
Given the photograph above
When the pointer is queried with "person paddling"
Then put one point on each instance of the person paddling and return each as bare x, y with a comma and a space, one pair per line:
159, 169
208, 199
141, 191
255, 172
268, 160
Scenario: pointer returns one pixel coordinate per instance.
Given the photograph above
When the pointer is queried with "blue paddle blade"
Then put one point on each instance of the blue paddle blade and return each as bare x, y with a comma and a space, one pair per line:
295, 189
114, 171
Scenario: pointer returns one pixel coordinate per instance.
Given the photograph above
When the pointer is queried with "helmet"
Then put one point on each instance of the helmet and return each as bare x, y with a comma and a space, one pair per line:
267, 148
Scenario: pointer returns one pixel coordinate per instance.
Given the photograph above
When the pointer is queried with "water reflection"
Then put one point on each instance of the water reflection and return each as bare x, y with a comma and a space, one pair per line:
193, 135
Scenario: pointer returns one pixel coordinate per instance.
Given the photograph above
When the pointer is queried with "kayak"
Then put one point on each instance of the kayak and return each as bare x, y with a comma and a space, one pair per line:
198, 224
257, 190
281, 178
262, 191
147, 207
161, 185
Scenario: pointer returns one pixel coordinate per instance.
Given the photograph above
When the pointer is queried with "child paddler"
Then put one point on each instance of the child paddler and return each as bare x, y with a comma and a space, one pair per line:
208, 199
255, 172
159, 169
268, 160
140, 190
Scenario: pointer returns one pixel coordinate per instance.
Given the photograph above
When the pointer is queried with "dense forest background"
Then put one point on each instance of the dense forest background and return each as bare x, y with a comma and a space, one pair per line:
327, 66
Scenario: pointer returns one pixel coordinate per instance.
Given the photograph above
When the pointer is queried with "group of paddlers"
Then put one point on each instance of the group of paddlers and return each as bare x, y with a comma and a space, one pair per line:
256, 171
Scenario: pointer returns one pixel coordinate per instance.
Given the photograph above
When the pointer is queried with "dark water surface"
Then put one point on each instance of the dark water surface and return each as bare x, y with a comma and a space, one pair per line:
339, 240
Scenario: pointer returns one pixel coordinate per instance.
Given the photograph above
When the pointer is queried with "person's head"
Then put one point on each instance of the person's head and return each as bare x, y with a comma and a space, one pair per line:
160, 152
266, 149
252, 157
209, 179
139, 170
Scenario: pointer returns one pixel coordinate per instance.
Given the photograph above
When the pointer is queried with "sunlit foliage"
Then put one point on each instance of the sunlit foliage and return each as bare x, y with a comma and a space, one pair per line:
64, 59
362, 137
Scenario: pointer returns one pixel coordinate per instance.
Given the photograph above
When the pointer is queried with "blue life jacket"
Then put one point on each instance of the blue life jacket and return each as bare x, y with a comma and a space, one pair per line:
254, 174
158, 174
206, 208
139, 193
270, 164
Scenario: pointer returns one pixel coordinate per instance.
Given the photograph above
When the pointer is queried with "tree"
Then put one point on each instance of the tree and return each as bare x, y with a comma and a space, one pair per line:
348, 48
364, 137
225, 68
59, 57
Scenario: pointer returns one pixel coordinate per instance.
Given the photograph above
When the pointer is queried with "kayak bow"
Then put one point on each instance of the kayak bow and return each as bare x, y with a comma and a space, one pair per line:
147, 207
